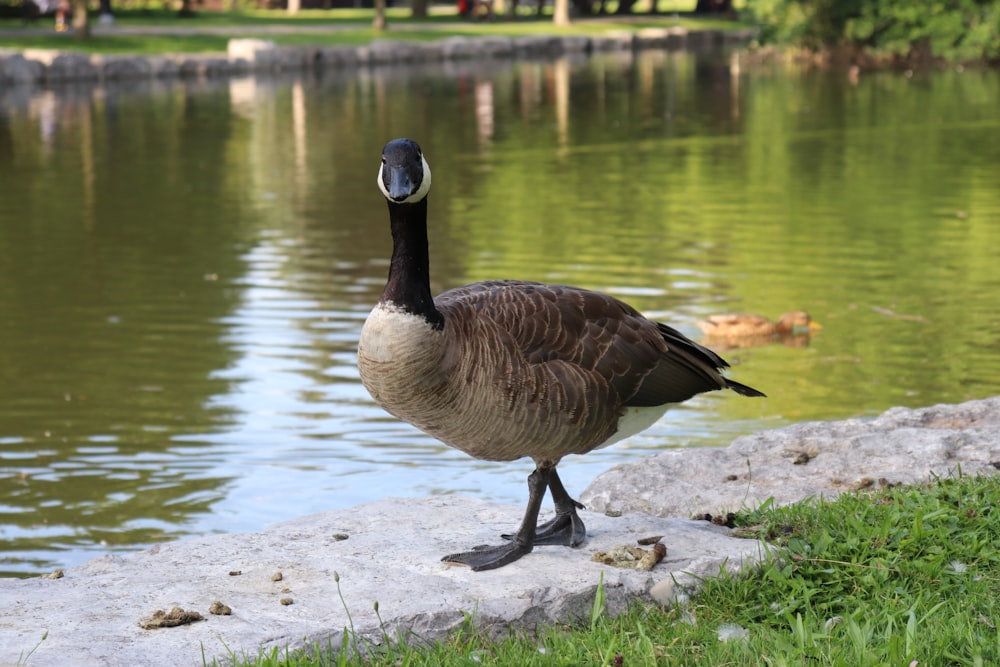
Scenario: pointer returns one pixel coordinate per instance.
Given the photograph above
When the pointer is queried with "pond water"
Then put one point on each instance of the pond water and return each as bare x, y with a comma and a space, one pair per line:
185, 268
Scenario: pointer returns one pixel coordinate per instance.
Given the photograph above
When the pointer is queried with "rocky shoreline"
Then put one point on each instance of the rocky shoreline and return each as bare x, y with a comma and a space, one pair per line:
309, 579
260, 56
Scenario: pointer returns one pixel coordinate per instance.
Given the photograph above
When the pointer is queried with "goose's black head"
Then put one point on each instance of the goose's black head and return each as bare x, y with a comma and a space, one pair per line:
404, 177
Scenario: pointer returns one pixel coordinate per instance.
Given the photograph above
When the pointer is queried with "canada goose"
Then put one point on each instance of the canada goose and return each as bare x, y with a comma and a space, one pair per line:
792, 323
505, 369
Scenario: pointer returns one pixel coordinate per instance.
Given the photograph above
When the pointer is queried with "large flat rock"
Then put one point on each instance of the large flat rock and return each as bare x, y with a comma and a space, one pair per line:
811, 459
390, 551
391, 555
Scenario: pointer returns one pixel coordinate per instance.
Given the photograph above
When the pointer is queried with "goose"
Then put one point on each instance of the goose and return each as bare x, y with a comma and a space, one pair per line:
736, 325
506, 369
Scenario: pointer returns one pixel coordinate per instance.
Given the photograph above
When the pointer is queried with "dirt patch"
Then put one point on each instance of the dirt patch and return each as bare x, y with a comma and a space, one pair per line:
170, 619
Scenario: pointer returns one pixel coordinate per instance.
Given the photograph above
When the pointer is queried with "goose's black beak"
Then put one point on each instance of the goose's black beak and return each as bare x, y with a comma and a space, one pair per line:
400, 183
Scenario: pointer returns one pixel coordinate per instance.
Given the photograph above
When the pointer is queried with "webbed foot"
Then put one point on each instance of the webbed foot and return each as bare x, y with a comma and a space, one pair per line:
567, 529
487, 557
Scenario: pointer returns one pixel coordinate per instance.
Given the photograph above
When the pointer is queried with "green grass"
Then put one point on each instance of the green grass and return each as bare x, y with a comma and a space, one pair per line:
202, 33
145, 45
884, 578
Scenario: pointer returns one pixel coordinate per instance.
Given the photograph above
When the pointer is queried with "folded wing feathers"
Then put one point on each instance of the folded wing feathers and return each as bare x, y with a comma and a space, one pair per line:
590, 349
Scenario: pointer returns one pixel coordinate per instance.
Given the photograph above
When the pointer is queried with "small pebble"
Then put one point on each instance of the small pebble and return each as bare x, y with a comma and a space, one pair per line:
235, 573
863, 483
340, 537
286, 601
277, 576
801, 459
220, 609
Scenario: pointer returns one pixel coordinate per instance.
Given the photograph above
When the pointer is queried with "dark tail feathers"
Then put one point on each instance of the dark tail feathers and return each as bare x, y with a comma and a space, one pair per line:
742, 389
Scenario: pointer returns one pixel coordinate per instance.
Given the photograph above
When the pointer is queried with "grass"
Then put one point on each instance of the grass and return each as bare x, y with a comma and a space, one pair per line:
211, 31
903, 576
145, 45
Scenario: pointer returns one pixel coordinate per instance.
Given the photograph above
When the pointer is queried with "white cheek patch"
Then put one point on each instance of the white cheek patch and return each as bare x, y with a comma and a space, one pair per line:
425, 184
381, 183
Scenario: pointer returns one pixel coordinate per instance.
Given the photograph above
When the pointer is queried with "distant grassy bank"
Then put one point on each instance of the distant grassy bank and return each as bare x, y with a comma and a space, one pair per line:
157, 32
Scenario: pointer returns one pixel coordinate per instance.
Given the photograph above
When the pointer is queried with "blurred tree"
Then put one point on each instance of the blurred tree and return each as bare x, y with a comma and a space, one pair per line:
896, 29
81, 25
713, 7
560, 12
379, 22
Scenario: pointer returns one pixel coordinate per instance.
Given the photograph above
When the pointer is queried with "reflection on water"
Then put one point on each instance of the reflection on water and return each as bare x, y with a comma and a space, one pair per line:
186, 267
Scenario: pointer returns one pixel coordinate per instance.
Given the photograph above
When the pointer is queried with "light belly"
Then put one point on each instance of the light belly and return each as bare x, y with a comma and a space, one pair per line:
635, 420
400, 360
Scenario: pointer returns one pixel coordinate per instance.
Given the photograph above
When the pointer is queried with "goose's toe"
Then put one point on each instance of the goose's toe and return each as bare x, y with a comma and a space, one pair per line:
567, 529
564, 529
487, 557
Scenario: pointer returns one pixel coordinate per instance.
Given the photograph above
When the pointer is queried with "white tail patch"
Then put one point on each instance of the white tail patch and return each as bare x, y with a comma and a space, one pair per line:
635, 420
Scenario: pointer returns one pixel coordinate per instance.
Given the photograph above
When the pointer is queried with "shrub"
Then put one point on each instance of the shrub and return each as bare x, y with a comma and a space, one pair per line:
961, 30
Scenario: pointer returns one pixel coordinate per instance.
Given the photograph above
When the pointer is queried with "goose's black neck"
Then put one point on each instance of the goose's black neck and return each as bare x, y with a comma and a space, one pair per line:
409, 285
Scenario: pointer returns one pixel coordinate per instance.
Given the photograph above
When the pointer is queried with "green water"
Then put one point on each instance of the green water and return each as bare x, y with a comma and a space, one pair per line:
184, 268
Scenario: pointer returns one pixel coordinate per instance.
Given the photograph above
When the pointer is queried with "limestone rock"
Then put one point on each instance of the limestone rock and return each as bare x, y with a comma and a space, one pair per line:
388, 553
163, 67
336, 56
821, 459
383, 51
203, 66
15, 69
123, 67
63, 65
261, 54
615, 40
392, 556
538, 45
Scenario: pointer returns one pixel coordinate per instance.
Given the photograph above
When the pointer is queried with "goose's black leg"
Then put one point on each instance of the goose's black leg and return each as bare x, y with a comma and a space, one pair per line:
488, 558
567, 527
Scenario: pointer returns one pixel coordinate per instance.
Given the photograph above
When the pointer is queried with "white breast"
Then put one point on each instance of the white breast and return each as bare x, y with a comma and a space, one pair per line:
398, 355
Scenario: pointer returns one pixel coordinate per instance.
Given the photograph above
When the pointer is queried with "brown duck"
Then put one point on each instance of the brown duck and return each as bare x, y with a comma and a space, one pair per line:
508, 369
739, 325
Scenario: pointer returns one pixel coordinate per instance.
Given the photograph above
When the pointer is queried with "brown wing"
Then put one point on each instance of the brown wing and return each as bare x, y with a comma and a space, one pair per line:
597, 348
